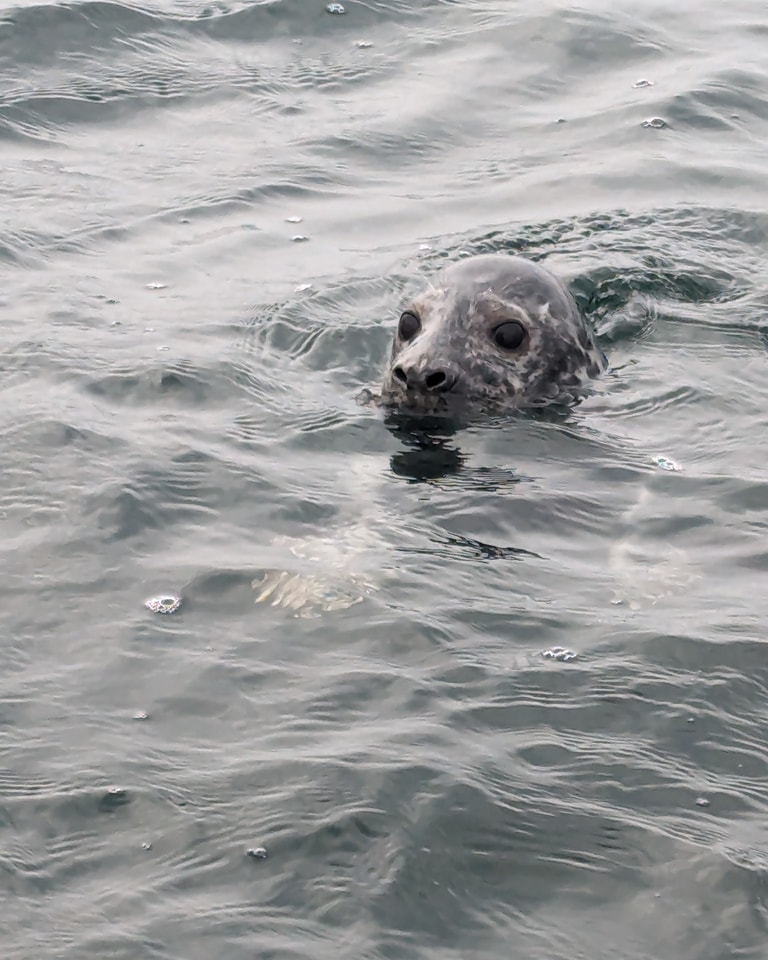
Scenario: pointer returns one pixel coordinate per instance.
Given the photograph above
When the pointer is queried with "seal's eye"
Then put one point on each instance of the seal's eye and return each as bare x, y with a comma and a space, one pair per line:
509, 335
409, 326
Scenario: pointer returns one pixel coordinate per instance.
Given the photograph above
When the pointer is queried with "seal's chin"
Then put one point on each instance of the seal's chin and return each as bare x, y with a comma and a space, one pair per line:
458, 403
420, 403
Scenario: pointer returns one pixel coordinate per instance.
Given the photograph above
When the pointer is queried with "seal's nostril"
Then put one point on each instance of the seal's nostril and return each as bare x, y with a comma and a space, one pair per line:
401, 375
434, 381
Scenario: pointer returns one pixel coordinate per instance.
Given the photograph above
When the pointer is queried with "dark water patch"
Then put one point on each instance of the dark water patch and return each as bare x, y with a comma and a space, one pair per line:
302, 186
326, 73
606, 289
162, 68
592, 38
221, 586
18, 249
44, 114
728, 100
37, 250
291, 19
52, 434
664, 399
339, 329
154, 499
17, 127
409, 147
513, 851
39, 34
180, 382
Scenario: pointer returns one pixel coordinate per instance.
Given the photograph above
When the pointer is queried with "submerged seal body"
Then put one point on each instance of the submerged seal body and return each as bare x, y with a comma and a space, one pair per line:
493, 333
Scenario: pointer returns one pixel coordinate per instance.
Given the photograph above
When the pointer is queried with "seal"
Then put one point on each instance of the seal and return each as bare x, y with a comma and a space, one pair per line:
492, 334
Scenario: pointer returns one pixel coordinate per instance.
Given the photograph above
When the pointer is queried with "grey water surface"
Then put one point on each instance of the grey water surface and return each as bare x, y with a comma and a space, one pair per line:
496, 693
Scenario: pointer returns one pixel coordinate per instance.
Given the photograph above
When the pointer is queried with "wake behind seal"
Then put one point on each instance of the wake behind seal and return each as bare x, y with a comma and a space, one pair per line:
491, 334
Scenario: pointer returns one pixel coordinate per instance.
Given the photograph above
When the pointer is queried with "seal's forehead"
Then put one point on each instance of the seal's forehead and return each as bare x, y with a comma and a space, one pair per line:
487, 271
511, 279
434, 300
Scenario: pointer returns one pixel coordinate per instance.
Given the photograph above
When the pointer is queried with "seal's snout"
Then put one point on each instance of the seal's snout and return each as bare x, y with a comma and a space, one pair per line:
430, 379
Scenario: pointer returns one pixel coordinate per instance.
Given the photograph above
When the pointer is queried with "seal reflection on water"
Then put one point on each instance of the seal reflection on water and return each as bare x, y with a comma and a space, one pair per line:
494, 334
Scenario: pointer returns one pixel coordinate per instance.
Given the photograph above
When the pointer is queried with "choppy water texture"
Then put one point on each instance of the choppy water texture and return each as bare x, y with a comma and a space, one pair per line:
179, 417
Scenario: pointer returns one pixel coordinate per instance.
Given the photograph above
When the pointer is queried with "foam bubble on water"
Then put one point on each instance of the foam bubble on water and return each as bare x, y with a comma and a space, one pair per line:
164, 603
257, 853
562, 654
667, 463
293, 219
156, 285
299, 238
642, 83
112, 798
363, 44
656, 123
335, 8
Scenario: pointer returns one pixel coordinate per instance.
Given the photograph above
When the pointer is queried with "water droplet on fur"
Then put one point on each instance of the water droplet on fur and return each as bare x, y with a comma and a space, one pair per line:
165, 603
657, 123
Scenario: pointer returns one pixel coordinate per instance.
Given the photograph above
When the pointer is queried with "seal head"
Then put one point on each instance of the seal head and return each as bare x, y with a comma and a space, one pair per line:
492, 334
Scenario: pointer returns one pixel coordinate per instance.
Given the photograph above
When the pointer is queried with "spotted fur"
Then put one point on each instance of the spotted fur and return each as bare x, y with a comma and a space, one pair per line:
458, 315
